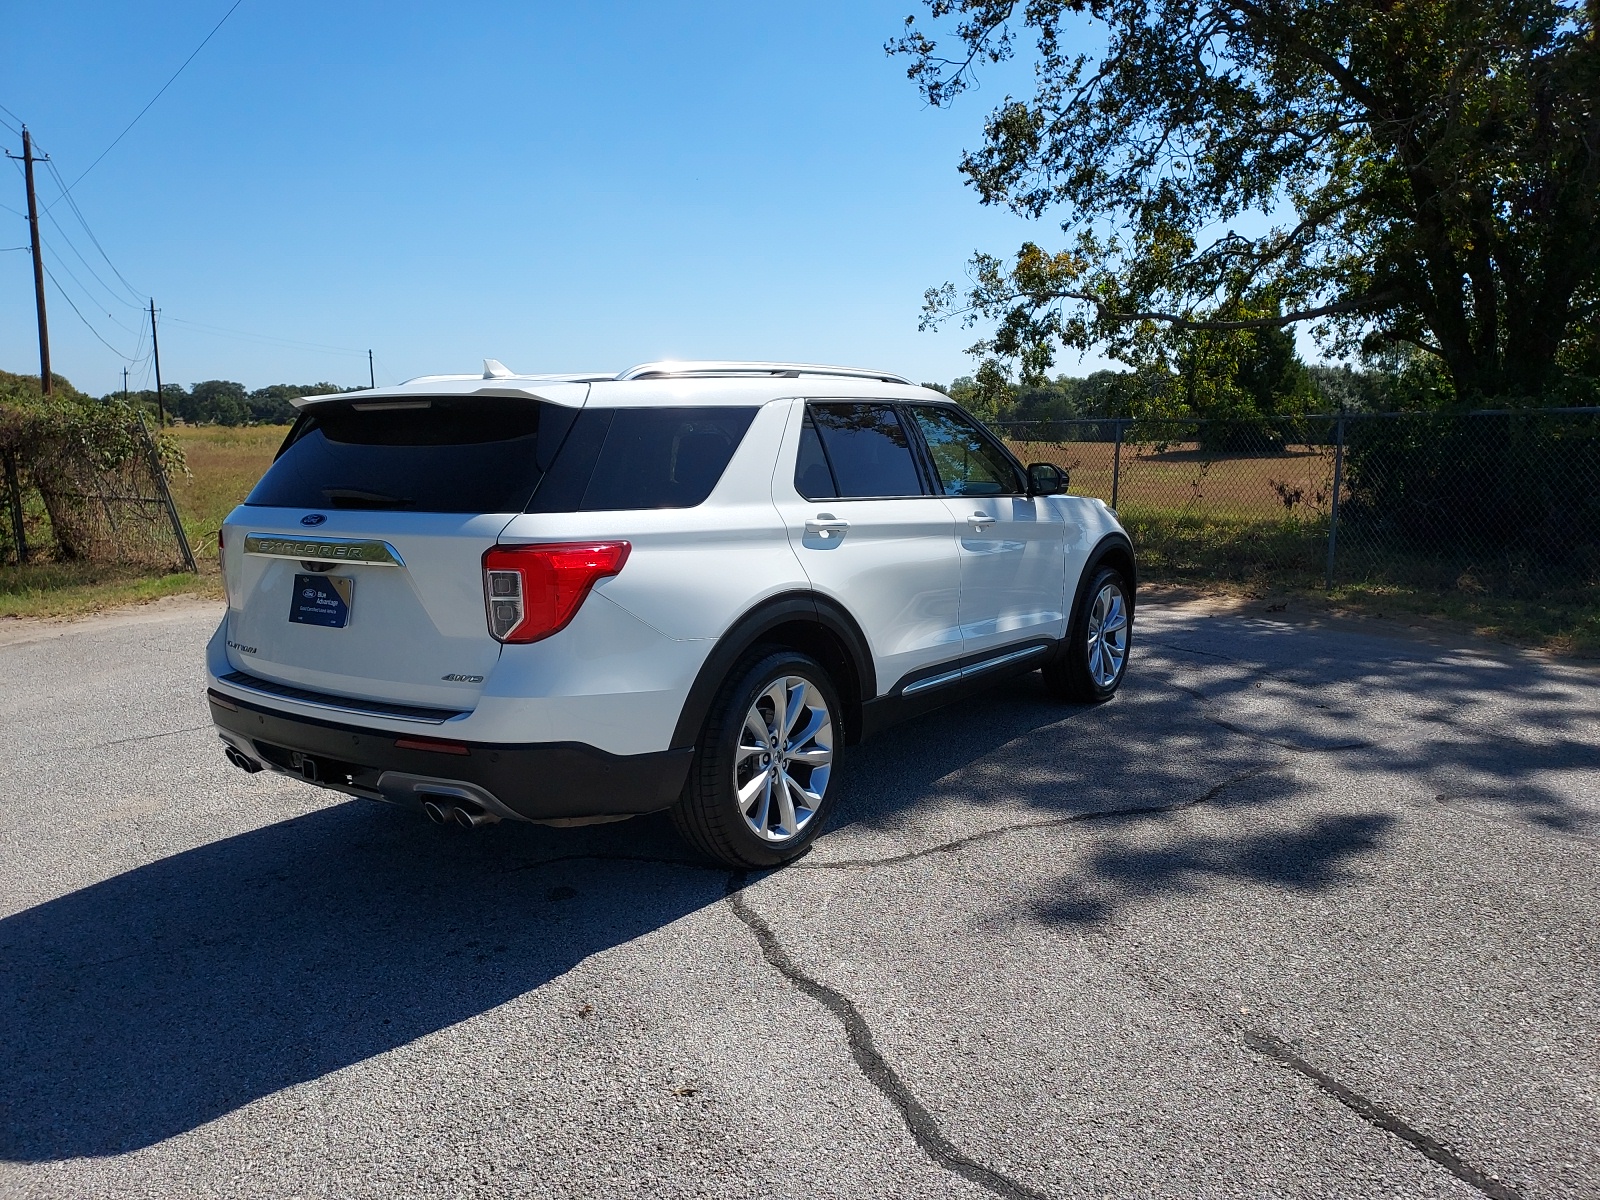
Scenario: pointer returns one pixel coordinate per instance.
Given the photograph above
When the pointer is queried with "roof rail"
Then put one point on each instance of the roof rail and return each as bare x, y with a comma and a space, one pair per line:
713, 369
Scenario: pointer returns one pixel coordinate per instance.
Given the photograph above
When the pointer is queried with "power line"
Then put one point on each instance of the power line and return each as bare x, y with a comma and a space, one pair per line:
267, 337
87, 265
62, 292
154, 98
82, 220
87, 294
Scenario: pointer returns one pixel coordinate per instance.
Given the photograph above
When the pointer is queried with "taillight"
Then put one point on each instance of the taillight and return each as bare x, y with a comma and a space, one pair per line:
533, 591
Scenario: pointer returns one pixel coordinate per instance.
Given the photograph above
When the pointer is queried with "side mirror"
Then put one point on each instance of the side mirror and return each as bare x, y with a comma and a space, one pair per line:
1046, 479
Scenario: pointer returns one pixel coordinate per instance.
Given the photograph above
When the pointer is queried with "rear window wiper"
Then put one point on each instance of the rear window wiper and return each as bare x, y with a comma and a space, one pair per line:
357, 498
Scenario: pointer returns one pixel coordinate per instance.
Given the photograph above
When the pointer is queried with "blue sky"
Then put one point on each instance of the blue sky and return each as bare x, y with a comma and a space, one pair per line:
562, 187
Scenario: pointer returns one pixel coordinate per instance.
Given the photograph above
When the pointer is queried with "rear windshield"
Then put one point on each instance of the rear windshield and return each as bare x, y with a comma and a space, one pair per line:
447, 454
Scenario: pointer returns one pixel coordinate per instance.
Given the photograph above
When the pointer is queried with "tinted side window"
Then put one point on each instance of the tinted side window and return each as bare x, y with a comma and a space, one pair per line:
867, 449
965, 458
629, 458
813, 478
445, 454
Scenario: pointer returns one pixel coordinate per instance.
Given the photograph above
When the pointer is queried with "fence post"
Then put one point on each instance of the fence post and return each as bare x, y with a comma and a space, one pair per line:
1116, 467
14, 494
1338, 484
166, 495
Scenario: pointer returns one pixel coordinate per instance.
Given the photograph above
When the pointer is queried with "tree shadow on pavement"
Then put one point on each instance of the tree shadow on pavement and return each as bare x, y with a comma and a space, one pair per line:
1512, 730
162, 998
1315, 857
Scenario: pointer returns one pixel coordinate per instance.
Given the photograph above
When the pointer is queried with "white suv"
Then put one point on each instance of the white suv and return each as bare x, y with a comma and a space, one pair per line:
577, 598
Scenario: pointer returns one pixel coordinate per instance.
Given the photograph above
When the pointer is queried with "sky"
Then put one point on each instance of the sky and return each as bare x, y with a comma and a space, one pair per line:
557, 186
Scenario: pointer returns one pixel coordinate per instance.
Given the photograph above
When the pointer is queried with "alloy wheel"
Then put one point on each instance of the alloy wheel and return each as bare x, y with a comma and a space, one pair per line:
785, 755
1108, 635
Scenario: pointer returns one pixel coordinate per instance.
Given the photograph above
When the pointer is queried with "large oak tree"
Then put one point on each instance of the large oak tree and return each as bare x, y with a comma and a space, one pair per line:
1400, 173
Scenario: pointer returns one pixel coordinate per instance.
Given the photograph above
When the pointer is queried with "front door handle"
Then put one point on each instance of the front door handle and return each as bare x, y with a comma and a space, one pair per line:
826, 526
980, 521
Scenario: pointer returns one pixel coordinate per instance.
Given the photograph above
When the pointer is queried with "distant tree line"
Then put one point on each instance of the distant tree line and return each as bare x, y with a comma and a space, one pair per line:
224, 402
1248, 377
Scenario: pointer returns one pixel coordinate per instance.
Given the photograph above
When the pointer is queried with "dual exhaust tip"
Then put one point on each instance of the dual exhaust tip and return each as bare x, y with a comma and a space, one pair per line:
447, 810
441, 810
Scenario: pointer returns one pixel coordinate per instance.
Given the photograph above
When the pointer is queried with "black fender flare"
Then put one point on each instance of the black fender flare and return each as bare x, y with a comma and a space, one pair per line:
802, 609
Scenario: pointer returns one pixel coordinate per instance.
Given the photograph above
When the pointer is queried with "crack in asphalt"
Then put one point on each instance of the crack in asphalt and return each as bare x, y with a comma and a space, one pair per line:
876, 1069
1262, 737
983, 835
143, 737
1381, 1118
1466, 805
1202, 1008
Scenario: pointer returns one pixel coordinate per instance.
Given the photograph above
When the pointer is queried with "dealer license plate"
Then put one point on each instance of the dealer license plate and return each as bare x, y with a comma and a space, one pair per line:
321, 600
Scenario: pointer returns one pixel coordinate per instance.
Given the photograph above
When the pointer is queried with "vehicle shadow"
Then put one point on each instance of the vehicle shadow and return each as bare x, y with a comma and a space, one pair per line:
146, 1005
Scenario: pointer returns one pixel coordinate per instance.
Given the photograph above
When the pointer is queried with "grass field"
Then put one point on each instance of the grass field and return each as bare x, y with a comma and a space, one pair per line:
1241, 524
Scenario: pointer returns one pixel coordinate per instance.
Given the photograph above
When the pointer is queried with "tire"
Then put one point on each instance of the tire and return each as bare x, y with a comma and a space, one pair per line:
727, 763
1089, 668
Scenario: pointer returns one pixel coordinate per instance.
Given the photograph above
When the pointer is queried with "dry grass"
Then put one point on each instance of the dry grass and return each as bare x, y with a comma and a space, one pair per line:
1227, 485
224, 464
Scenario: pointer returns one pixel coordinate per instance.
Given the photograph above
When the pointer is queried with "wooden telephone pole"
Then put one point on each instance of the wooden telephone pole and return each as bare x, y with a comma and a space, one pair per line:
38, 261
155, 350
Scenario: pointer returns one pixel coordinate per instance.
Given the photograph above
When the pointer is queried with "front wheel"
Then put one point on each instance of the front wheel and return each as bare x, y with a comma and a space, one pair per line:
1090, 666
763, 773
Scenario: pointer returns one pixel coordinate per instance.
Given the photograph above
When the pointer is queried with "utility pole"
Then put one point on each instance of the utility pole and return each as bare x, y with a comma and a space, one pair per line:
155, 349
124, 385
38, 261
371, 378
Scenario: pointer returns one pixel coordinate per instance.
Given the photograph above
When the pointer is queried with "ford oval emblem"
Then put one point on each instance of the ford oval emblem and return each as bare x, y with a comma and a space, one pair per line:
313, 519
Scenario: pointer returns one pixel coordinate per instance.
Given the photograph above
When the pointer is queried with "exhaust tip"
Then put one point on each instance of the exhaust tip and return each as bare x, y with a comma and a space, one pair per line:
470, 816
241, 760
438, 813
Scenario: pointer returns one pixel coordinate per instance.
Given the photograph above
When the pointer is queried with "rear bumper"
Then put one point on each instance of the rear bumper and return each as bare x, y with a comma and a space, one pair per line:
532, 782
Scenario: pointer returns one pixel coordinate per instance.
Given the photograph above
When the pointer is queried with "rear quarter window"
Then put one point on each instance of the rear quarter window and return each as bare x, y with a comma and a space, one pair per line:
445, 454
633, 458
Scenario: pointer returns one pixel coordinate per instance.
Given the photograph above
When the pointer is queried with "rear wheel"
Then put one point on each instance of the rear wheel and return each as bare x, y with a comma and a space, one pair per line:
1089, 668
761, 783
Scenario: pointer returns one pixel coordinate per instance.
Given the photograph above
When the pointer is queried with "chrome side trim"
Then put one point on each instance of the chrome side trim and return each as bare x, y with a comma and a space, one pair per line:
976, 668
356, 551
932, 681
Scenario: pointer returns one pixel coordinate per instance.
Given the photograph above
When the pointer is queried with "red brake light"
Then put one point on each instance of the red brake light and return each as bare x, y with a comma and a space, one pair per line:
533, 591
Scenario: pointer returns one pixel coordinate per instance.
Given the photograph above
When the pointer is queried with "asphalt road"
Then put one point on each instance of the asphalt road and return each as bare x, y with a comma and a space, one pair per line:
1303, 912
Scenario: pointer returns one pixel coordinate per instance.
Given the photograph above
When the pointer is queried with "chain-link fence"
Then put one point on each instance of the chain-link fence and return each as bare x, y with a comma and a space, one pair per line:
67, 505
1504, 503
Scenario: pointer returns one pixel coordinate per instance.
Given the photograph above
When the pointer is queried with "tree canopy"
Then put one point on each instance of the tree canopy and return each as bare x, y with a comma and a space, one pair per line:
1414, 174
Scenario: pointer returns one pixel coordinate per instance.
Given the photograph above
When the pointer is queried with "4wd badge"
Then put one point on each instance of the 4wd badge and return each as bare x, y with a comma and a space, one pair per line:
463, 678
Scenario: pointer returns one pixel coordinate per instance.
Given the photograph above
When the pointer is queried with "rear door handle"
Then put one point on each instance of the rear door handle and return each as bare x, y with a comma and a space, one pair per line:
826, 526
980, 521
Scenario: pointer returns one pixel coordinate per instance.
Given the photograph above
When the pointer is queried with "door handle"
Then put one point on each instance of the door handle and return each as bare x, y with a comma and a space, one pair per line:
826, 526
980, 521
